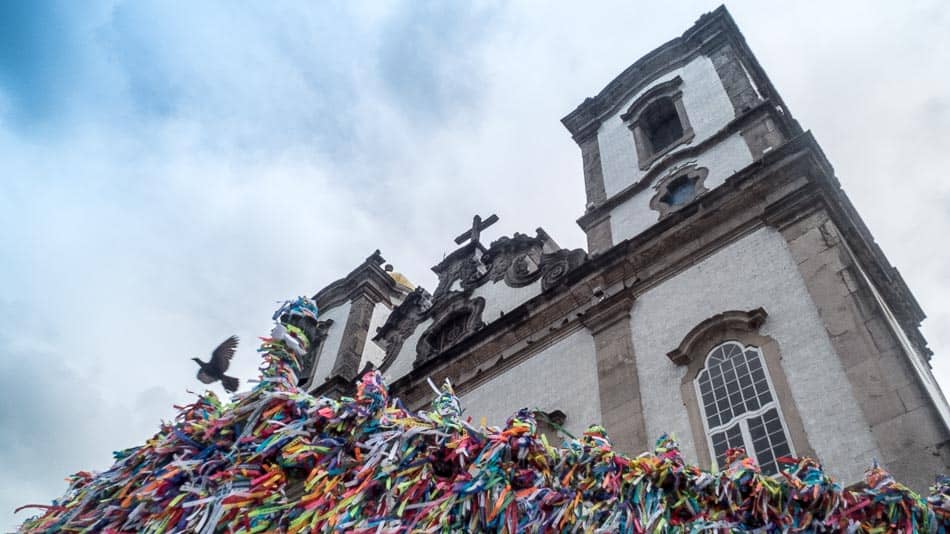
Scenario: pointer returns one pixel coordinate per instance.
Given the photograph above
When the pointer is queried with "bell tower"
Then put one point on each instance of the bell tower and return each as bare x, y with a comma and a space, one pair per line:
674, 125
756, 289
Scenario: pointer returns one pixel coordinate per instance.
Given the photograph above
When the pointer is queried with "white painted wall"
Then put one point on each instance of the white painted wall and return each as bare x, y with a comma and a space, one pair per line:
499, 297
561, 377
373, 353
709, 110
757, 270
723, 160
407, 354
707, 106
331, 346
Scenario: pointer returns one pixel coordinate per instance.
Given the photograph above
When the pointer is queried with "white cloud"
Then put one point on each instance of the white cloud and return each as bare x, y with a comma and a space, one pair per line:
218, 158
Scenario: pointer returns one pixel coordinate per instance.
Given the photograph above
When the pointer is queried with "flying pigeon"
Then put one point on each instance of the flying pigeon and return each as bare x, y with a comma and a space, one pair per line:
220, 360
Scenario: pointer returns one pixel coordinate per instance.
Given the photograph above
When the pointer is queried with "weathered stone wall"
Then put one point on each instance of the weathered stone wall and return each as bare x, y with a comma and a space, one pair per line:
561, 377
903, 406
755, 271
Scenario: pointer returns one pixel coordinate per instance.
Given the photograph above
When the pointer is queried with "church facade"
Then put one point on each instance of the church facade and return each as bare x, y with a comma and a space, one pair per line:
730, 294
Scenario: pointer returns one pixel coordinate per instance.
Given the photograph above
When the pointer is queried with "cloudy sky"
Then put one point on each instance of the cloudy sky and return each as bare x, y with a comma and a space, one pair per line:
168, 171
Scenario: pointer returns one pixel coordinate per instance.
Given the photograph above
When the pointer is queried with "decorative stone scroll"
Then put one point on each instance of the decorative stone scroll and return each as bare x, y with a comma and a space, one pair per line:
679, 188
556, 265
518, 261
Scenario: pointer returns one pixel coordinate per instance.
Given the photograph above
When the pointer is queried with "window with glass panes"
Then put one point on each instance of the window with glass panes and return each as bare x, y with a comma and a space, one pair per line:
739, 406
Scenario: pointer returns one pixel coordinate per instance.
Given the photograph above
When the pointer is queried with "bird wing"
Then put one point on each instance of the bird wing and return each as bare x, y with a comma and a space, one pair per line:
221, 357
205, 377
230, 383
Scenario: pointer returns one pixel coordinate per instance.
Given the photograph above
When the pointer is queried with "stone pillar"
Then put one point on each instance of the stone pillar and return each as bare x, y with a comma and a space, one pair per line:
734, 78
593, 171
913, 441
347, 363
620, 407
599, 236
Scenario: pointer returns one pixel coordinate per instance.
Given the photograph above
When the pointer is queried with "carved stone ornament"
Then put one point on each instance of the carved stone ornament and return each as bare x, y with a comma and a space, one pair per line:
455, 318
519, 261
471, 272
556, 265
679, 188
516, 260
463, 266
401, 323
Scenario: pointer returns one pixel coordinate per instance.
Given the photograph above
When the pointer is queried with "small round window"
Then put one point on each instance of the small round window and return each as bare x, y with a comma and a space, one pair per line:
680, 191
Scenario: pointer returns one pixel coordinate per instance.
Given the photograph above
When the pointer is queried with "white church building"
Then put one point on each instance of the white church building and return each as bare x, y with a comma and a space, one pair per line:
730, 293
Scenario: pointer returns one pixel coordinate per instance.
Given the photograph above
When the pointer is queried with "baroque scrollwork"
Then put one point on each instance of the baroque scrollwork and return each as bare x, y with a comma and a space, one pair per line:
455, 319
556, 265
514, 259
519, 261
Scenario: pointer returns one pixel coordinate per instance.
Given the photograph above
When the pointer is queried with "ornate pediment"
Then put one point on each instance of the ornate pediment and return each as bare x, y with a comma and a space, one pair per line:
455, 319
518, 261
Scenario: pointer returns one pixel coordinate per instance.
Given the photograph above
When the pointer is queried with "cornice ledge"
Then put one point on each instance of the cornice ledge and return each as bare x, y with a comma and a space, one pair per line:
368, 278
748, 321
607, 312
709, 29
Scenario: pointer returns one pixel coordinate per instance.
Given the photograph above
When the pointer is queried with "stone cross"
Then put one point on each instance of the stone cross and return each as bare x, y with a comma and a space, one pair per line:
477, 226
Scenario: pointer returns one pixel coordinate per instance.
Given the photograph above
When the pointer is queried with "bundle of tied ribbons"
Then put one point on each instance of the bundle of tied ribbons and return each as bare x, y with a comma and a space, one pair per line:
277, 459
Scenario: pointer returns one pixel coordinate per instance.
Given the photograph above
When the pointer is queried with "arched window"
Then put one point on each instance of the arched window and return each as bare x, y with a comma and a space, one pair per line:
661, 124
739, 406
658, 121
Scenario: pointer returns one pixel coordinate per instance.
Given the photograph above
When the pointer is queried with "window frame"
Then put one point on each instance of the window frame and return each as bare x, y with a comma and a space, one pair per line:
741, 420
646, 153
696, 174
744, 327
